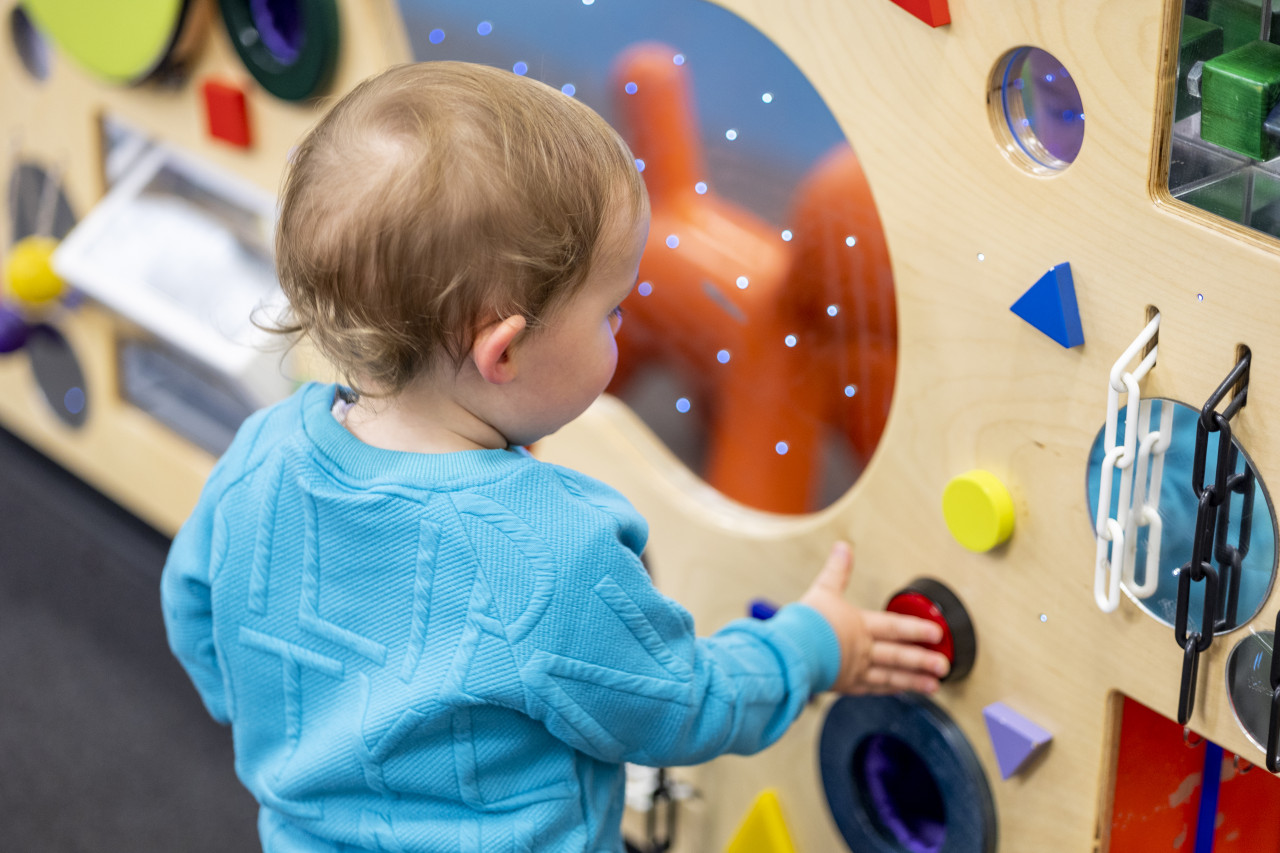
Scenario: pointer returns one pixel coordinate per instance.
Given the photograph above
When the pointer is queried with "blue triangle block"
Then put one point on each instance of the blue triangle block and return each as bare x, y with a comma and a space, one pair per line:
1050, 306
1014, 738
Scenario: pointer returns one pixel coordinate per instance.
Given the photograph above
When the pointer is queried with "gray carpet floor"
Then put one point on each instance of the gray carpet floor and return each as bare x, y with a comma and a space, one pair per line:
104, 745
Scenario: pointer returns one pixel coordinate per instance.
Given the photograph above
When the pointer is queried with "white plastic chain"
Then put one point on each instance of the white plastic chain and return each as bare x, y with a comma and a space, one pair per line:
1113, 532
1146, 500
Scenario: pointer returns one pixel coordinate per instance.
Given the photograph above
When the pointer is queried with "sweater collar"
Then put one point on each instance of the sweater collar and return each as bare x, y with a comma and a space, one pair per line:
366, 462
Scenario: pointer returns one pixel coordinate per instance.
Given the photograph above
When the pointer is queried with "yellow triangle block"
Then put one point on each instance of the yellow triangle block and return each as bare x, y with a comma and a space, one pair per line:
764, 830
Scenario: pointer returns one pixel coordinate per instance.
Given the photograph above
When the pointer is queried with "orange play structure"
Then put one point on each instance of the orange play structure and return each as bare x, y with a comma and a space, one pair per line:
789, 339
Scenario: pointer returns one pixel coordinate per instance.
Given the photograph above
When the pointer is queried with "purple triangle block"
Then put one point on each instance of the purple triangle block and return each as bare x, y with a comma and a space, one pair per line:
1013, 737
1050, 305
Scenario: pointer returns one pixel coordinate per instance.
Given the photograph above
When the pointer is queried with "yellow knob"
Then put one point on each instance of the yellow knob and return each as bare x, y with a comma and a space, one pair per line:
978, 510
30, 273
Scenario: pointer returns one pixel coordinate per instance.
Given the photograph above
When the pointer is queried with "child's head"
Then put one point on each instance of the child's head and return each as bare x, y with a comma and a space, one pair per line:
437, 197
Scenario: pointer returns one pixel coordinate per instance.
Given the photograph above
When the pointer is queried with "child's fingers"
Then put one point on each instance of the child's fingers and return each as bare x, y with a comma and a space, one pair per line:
881, 680
835, 572
895, 627
909, 657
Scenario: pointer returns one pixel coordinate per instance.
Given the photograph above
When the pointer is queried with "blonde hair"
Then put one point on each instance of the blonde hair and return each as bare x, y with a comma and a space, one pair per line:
433, 197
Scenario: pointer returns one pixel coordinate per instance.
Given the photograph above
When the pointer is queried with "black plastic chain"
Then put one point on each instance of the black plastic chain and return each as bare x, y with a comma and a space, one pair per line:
1209, 539
662, 801
1273, 729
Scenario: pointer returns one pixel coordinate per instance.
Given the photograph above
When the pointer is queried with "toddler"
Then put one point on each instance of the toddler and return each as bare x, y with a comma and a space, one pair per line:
423, 638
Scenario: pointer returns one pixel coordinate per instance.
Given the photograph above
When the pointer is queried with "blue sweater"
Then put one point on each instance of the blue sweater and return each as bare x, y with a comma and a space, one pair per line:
452, 652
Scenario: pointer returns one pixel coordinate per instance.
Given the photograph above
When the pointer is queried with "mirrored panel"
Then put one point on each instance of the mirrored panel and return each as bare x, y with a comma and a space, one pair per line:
1169, 481
1249, 684
761, 341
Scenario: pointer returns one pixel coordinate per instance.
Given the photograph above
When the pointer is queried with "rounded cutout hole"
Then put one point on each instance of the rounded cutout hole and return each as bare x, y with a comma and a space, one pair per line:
1036, 110
900, 794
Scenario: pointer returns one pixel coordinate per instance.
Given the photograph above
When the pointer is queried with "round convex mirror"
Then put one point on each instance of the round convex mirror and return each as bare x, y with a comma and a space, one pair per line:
1249, 684
1241, 593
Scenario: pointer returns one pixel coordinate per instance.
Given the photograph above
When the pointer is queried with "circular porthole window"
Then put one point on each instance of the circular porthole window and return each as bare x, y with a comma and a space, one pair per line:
900, 777
1036, 110
290, 46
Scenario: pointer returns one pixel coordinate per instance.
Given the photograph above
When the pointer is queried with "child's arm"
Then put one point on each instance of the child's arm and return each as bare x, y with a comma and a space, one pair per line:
626, 678
188, 616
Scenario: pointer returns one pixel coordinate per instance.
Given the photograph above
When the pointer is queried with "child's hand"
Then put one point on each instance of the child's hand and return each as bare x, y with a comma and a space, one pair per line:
878, 651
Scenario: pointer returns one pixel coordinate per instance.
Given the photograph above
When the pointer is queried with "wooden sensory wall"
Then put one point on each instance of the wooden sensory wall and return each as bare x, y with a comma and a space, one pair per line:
973, 215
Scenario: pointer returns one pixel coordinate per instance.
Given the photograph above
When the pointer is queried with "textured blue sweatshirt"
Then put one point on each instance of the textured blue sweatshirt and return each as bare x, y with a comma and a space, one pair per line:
452, 652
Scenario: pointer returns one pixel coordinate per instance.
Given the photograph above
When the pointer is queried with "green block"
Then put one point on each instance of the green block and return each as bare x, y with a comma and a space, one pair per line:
1241, 21
1200, 42
1237, 91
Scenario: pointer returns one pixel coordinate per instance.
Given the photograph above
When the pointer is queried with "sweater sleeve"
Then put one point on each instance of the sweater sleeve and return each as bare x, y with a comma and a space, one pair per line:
185, 583
628, 679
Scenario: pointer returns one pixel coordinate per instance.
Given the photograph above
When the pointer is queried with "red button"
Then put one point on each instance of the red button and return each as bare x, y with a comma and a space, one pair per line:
915, 604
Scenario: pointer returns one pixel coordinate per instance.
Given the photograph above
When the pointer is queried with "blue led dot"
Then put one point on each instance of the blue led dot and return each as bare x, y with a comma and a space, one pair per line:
644, 288
639, 165
723, 356
742, 282
789, 340
1048, 78
1044, 617
588, 2
1199, 297
851, 240
682, 405
731, 134
786, 235
436, 36
672, 241
700, 188
484, 28
850, 390
631, 88
767, 97
981, 257
678, 59
521, 68
1026, 122
569, 89
833, 310
74, 400
781, 448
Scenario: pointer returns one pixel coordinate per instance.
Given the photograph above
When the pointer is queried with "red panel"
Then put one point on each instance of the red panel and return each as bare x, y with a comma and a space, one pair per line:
227, 113
1248, 809
933, 12
1157, 795
1158, 786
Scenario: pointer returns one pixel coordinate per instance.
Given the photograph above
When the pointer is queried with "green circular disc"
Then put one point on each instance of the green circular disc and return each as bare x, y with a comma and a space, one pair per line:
289, 46
123, 41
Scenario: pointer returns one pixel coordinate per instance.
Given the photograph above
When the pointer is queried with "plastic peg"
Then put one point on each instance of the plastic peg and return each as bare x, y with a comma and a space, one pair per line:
764, 830
978, 510
29, 272
1014, 738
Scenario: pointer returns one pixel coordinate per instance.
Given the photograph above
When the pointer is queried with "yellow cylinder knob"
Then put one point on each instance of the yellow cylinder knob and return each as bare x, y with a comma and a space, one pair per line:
30, 274
978, 510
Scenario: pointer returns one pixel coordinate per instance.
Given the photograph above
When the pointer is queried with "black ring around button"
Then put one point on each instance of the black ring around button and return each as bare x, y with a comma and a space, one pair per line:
295, 77
860, 726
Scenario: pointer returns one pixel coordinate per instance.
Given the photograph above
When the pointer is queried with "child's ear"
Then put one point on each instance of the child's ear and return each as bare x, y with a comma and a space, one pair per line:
491, 350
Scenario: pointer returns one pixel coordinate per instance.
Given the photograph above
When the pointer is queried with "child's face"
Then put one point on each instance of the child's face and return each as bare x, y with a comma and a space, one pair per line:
569, 362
